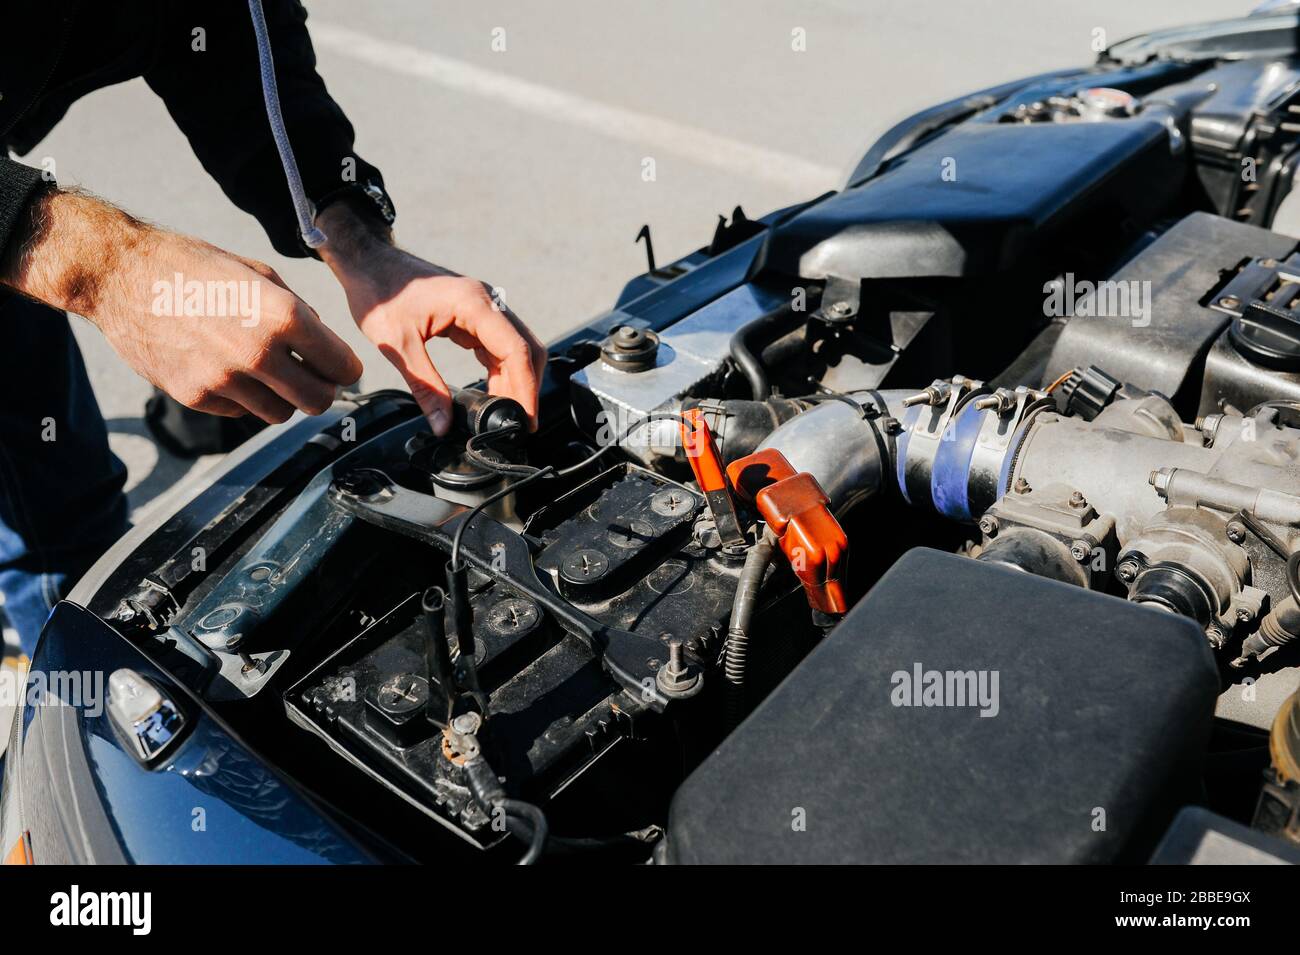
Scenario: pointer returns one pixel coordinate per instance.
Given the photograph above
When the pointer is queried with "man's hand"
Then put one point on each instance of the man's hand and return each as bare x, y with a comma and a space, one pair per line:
401, 301
217, 332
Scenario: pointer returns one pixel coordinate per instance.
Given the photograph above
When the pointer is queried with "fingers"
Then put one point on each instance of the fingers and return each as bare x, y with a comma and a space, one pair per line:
222, 407
431, 393
258, 399
512, 356
296, 383
320, 349
262, 269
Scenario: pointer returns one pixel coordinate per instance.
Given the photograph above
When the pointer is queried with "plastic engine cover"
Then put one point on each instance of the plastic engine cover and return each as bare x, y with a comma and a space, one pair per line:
1049, 724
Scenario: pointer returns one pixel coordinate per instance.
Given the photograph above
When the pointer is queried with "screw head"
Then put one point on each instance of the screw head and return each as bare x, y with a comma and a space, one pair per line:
402, 694
585, 566
1127, 571
1078, 501
1080, 550
1244, 615
1229, 301
1236, 532
637, 533
989, 525
512, 616
672, 502
1021, 486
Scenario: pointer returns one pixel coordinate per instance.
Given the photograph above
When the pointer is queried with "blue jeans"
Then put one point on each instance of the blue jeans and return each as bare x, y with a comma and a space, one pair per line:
61, 500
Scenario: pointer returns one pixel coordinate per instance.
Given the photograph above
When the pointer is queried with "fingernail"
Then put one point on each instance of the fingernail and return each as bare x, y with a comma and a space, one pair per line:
438, 422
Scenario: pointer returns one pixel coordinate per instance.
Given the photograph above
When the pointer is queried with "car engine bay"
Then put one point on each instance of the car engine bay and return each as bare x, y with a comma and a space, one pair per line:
1020, 404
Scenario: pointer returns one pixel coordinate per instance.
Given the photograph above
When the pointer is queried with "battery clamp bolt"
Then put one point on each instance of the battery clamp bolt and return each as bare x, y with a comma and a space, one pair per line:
677, 678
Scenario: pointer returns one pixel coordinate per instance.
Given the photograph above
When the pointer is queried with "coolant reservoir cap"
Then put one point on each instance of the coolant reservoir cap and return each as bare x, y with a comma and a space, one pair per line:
629, 348
1108, 101
1268, 336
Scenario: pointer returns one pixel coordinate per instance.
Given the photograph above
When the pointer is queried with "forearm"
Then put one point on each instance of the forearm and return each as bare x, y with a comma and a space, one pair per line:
354, 244
241, 343
71, 249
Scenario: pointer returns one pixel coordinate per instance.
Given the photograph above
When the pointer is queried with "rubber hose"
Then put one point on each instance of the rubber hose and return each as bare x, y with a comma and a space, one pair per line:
535, 821
742, 613
748, 341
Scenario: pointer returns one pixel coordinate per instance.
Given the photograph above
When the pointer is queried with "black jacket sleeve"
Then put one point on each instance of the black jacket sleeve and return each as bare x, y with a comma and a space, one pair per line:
206, 71
18, 186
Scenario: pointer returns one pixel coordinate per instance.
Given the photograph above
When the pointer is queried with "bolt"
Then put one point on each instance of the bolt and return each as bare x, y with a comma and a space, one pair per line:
677, 678
1080, 550
1159, 479
935, 394
839, 309
466, 724
1229, 301
1078, 501
1236, 532
706, 535
251, 664
1127, 571
1268, 263
989, 525
359, 483
1209, 428
1021, 486
1244, 615
1002, 401
1216, 636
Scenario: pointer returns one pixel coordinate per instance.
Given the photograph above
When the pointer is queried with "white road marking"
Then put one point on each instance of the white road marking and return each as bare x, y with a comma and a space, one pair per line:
651, 132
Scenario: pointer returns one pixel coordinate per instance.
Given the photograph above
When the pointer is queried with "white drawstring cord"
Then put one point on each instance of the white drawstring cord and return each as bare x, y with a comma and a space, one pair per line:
302, 206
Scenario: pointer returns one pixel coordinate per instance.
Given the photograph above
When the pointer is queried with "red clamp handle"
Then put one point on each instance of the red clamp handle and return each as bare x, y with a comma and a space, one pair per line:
706, 463
798, 512
752, 473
